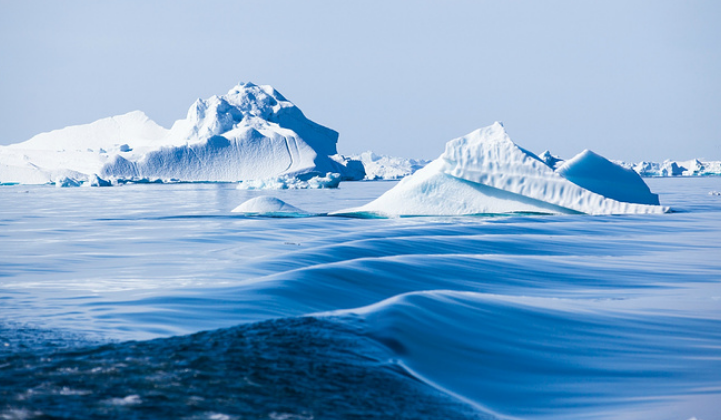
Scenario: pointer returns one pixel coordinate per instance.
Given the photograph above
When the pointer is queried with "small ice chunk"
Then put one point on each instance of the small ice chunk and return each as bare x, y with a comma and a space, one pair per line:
267, 205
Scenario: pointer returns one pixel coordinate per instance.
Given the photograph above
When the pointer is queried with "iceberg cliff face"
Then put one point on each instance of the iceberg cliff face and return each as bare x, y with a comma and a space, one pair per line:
485, 172
251, 133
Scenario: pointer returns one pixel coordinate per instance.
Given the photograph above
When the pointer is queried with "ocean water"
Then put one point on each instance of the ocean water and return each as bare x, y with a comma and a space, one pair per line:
155, 301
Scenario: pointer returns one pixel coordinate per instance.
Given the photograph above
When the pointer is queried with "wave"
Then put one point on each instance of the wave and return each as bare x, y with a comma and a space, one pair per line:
563, 358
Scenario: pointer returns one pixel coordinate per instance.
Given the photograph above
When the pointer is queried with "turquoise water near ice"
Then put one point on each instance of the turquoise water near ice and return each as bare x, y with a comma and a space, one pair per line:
531, 316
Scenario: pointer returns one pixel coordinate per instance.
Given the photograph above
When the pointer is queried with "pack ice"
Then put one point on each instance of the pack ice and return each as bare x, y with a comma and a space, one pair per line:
484, 172
251, 133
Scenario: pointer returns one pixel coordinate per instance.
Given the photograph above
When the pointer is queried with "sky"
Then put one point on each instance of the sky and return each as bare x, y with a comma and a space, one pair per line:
631, 80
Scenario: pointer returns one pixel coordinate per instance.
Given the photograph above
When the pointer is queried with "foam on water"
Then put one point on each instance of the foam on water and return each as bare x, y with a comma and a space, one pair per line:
565, 316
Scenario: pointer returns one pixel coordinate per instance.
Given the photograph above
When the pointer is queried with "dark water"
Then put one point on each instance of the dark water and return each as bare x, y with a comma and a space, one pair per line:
524, 316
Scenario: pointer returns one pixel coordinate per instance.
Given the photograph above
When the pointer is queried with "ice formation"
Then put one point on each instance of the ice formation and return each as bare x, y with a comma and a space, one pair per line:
269, 206
251, 133
551, 160
387, 168
668, 168
596, 173
485, 172
330, 180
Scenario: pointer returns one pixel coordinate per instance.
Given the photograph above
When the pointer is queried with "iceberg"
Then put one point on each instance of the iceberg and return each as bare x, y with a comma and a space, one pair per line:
330, 180
550, 159
596, 173
670, 168
484, 172
270, 207
387, 168
250, 133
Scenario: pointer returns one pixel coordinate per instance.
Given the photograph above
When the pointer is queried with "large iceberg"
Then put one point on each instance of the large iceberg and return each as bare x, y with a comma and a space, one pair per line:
485, 172
250, 133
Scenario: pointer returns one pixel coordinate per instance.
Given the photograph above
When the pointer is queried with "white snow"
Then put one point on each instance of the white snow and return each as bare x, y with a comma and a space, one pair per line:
250, 133
485, 172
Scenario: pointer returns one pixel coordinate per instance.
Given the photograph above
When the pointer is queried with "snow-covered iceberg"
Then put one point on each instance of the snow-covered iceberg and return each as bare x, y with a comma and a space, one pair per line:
250, 133
270, 207
485, 172
667, 168
670, 168
387, 168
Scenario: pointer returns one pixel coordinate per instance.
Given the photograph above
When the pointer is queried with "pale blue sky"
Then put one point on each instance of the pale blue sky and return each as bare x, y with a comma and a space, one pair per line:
630, 80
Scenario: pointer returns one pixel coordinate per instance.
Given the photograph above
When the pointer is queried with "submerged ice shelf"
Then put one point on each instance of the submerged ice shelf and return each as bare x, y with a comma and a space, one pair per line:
250, 133
484, 172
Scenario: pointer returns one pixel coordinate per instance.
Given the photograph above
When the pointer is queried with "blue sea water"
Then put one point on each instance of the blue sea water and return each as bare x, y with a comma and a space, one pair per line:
155, 301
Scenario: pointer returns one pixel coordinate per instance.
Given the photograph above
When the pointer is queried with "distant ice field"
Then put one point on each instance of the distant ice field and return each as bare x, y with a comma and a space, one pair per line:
525, 316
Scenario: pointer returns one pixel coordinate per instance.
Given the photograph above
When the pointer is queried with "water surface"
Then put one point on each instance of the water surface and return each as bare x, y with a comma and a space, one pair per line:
568, 316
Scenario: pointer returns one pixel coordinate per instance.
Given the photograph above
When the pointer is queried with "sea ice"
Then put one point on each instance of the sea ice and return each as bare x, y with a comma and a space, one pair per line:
251, 133
485, 172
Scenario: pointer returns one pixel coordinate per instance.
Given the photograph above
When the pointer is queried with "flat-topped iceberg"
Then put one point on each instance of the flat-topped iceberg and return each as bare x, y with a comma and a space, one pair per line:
250, 133
485, 172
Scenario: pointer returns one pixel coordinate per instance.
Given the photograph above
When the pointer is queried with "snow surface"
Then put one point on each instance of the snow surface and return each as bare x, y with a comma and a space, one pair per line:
251, 133
485, 172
